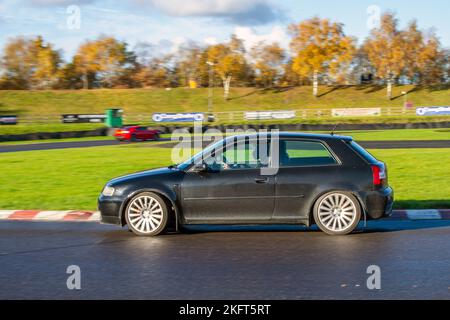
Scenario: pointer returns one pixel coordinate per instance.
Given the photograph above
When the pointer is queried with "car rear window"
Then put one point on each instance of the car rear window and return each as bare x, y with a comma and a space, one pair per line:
363, 152
295, 153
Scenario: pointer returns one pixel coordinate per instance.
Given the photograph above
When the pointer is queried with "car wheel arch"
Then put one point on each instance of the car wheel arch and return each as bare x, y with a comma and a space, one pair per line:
169, 201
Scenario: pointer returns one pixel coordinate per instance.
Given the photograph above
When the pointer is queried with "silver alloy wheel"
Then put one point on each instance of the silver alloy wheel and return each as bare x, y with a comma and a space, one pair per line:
145, 214
337, 212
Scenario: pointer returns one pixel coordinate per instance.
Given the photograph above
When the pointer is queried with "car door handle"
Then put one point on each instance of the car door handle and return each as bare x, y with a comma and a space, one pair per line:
261, 180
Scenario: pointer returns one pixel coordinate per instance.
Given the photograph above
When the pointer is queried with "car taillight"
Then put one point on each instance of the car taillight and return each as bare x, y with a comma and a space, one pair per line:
379, 174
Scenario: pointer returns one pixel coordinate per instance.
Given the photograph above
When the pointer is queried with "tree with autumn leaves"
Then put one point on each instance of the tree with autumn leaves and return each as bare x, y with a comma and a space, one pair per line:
320, 53
321, 49
30, 63
105, 60
229, 61
409, 53
268, 63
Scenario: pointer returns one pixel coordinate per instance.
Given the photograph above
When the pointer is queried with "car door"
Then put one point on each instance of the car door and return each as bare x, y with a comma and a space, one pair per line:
305, 168
149, 134
232, 192
145, 134
141, 133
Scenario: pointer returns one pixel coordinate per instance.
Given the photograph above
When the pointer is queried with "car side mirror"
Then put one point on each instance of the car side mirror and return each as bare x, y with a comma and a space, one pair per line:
200, 168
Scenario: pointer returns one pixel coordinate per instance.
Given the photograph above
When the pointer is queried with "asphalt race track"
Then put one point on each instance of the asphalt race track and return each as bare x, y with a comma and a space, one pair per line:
414, 257
97, 143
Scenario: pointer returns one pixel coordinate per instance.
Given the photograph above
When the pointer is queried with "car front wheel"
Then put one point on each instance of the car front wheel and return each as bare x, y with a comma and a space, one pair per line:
337, 213
146, 214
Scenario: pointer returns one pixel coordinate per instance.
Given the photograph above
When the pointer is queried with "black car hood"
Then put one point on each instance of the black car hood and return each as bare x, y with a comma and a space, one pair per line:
142, 174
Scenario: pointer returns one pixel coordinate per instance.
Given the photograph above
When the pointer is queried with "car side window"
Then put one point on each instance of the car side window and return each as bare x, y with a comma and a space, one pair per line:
243, 154
297, 153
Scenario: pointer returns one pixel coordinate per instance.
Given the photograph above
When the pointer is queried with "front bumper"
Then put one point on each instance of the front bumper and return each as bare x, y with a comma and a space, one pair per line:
110, 210
379, 204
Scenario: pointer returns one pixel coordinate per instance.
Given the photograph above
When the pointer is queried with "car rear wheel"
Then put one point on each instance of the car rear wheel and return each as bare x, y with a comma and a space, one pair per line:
146, 214
337, 213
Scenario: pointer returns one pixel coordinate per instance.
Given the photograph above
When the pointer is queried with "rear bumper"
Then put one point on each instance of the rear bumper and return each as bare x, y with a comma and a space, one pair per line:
379, 204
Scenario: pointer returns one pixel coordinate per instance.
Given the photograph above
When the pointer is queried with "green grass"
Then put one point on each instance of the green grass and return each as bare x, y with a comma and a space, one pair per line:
13, 143
70, 178
374, 135
184, 99
53, 103
402, 134
73, 178
50, 127
380, 135
359, 135
419, 177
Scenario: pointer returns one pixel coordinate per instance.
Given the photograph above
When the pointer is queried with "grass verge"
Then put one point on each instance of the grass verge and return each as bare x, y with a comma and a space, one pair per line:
368, 135
13, 143
50, 127
72, 178
241, 99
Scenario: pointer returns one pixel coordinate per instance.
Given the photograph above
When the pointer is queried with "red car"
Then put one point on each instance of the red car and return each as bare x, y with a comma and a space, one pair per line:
134, 133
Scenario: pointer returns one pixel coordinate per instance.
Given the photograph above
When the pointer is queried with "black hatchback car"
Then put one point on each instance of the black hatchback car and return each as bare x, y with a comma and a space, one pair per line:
287, 178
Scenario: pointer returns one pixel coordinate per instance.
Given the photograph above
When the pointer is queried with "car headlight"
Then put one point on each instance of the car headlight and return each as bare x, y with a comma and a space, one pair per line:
108, 191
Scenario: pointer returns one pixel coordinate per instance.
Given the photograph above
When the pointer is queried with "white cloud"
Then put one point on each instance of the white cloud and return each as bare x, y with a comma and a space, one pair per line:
58, 2
204, 7
177, 42
251, 38
247, 12
210, 41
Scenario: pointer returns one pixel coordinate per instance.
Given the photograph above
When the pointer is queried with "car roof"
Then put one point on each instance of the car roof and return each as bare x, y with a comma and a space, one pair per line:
298, 135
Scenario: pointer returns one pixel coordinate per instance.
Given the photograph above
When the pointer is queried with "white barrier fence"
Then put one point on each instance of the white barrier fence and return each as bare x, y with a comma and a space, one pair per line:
251, 116
300, 114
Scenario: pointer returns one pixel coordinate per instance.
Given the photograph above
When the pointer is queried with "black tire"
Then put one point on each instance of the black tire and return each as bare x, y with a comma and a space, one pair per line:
344, 216
142, 225
133, 138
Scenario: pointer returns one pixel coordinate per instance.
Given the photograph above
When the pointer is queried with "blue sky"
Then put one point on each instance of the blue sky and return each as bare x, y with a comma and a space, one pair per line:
170, 23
